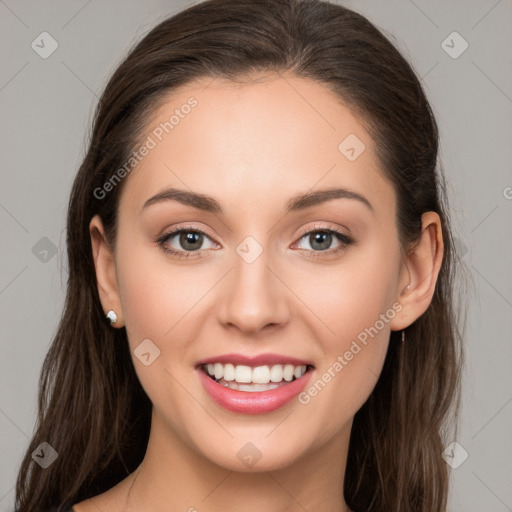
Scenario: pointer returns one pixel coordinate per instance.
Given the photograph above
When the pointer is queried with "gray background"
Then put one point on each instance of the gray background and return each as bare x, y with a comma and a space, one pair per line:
46, 108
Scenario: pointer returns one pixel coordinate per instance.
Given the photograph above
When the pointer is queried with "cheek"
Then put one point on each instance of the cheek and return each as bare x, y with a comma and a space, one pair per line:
355, 303
157, 300
156, 294
349, 297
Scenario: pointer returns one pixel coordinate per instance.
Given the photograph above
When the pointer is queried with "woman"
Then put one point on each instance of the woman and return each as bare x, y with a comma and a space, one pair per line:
259, 313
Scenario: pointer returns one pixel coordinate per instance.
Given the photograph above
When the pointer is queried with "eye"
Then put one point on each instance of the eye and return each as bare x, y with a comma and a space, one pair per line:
184, 242
321, 239
187, 242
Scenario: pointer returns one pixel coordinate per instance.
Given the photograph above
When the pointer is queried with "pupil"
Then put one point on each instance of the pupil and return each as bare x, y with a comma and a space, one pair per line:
190, 238
323, 238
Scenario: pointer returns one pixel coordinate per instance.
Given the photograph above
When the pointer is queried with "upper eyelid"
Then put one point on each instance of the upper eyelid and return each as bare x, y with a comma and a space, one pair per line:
319, 227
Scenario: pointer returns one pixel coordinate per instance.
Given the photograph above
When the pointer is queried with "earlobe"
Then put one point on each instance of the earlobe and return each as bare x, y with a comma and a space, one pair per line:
423, 264
104, 264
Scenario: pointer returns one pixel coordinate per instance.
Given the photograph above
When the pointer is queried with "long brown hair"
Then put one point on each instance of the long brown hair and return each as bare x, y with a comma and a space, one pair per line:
92, 408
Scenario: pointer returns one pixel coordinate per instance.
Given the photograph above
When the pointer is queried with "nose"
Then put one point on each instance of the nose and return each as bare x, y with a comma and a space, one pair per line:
253, 298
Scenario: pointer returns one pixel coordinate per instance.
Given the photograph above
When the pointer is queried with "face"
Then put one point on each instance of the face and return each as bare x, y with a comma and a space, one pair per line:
254, 270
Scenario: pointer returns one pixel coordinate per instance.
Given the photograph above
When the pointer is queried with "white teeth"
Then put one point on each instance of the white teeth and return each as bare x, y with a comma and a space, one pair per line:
249, 387
229, 372
276, 373
242, 373
259, 375
288, 372
256, 387
218, 371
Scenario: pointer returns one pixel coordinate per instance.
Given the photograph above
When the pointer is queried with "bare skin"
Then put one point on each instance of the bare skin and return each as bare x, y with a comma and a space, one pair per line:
252, 147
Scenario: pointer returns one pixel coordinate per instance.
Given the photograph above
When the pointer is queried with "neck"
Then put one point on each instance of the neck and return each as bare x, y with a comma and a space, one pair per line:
173, 476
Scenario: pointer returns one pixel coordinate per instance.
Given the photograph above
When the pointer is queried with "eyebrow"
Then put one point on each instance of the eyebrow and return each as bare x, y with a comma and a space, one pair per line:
296, 203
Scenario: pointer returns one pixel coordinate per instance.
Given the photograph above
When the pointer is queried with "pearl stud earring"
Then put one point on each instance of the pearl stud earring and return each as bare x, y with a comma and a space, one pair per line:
111, 315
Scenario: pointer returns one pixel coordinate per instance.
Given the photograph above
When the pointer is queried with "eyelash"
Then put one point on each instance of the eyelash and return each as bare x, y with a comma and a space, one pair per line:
344, 239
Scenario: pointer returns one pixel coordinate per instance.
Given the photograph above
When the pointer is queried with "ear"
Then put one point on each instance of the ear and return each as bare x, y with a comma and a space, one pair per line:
419, 273
104, 264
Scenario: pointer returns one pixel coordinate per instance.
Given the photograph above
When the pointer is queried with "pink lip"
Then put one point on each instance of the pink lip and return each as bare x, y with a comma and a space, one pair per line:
260, 360
257, 402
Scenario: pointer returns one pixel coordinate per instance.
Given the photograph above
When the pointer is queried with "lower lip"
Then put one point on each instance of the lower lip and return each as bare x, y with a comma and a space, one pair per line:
257, 402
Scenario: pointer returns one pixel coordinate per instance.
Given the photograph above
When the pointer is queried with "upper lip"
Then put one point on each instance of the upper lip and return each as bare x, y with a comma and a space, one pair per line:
259, 360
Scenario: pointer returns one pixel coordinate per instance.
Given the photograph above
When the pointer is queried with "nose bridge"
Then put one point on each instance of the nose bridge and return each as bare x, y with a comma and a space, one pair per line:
254, 297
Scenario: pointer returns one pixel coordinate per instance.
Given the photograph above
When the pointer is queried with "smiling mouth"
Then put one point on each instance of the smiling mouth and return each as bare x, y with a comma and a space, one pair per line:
253, 379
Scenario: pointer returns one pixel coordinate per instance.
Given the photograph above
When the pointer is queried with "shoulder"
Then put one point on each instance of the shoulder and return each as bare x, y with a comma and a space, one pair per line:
63, 507
112, 500
83, 506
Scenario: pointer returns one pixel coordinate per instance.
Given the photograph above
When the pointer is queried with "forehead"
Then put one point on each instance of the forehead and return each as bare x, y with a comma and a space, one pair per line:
254, 143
